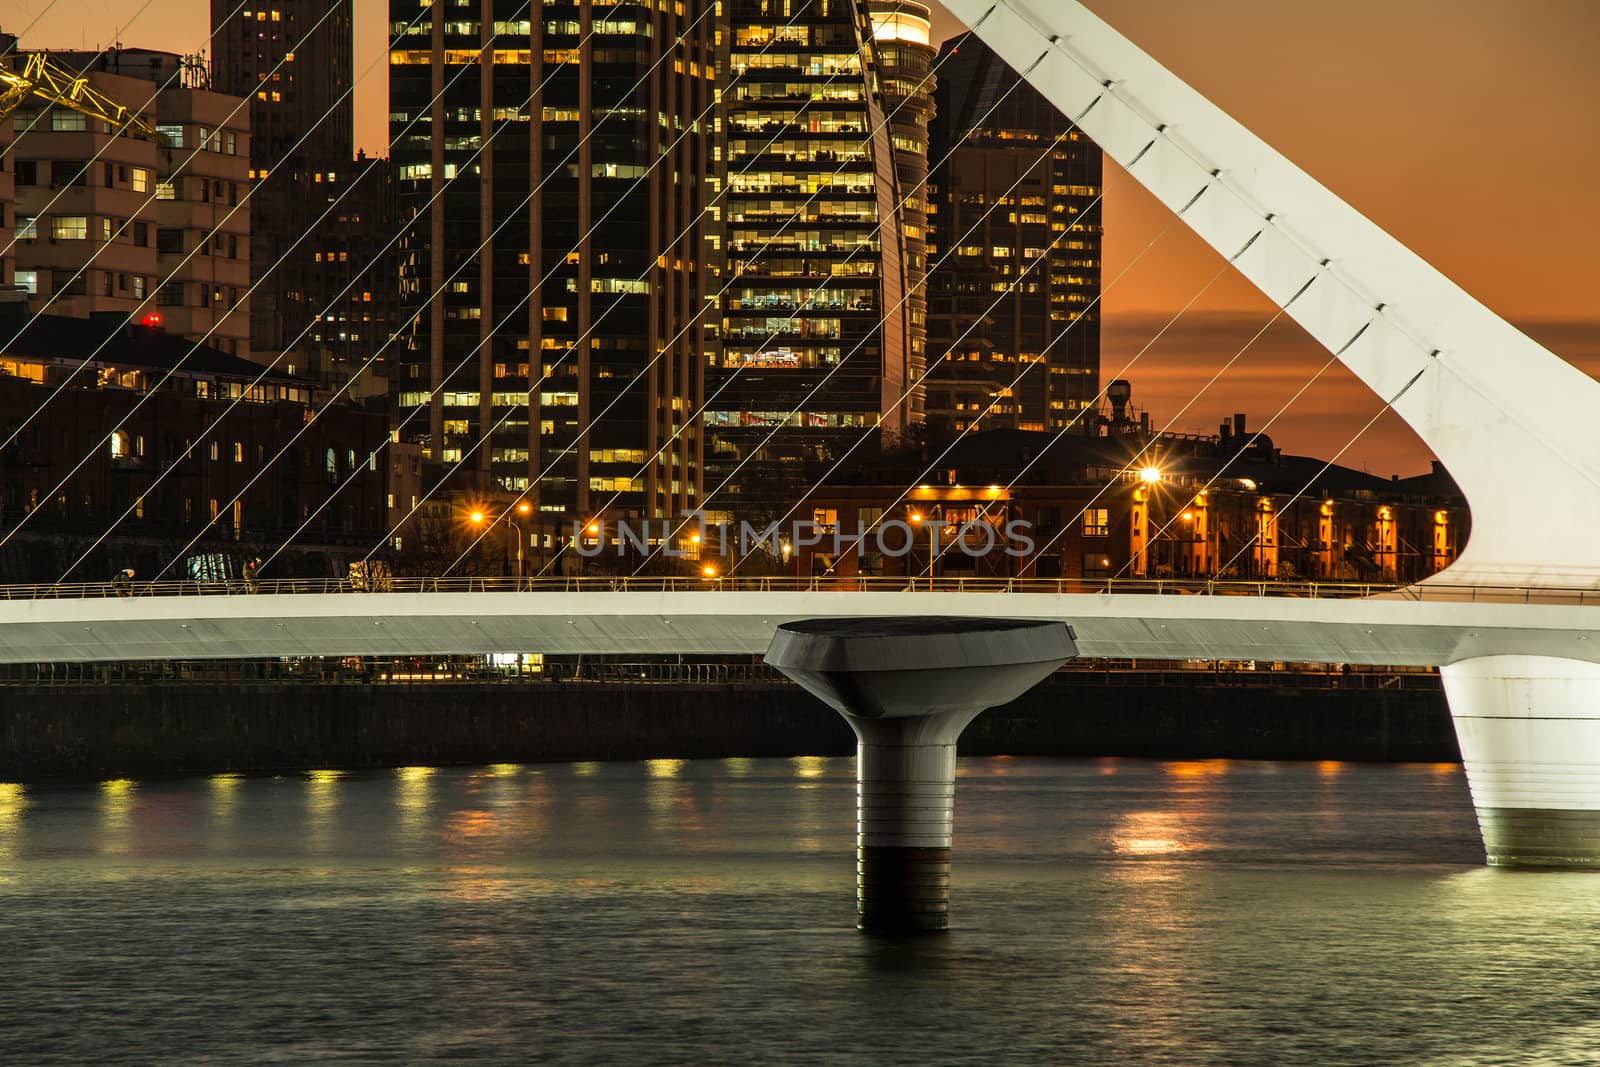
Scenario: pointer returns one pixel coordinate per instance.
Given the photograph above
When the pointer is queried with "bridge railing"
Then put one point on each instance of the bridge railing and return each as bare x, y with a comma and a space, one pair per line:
820, 584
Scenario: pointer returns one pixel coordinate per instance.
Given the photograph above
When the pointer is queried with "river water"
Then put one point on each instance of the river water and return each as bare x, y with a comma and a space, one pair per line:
1105, 911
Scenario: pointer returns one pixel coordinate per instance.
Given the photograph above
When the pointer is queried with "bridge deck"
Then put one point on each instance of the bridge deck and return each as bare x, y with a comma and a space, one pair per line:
1423, 626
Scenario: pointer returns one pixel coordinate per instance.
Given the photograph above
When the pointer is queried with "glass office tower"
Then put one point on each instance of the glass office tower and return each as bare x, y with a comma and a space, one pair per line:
557, 255
816, 342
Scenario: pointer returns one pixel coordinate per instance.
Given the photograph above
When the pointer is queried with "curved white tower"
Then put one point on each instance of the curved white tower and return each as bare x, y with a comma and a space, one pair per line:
1515, 424
1491, 403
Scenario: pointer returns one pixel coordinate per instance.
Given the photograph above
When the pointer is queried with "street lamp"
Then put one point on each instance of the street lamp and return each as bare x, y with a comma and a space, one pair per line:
916, 518
524, 509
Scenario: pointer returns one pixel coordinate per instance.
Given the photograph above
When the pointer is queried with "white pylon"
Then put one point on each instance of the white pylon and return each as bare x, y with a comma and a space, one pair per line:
1513, 423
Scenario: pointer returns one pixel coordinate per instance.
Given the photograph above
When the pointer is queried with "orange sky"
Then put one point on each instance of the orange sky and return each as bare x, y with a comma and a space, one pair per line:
1467, 128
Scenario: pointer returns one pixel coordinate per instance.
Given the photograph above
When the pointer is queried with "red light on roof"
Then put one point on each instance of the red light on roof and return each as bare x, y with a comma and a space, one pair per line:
153, 319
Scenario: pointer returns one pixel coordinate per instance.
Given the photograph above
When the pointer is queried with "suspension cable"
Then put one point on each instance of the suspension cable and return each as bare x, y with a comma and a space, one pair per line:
486, 145
83, 71
62, 187
1261, 432
1133, 462
911, 389
466, 261
689, 324
243, 204
715, 300
1070, 423
228, 409
199, 343
16, 43
1382, 410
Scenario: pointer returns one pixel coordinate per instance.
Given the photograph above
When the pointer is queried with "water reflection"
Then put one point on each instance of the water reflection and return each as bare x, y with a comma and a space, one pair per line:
414, 804
1200, 913
818, 807
1210, 768
669, 799
1153, 833
117, 801
809, 766
223, 808
13, 803
663, 768
322, 810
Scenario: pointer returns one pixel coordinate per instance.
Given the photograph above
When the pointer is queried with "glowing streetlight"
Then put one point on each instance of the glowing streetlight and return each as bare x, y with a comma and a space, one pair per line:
916, 516
1150, 475
524, 508
709, 571
479, 518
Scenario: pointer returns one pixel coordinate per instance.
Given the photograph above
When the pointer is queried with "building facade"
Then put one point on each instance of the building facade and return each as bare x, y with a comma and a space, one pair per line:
1128, 504
816, 334
353, 302
292, 61
901, 35
552, 179
1013, 316
177, 432
143, 228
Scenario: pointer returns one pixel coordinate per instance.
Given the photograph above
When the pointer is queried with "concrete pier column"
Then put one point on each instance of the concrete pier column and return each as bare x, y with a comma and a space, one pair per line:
908, 687
1529, 729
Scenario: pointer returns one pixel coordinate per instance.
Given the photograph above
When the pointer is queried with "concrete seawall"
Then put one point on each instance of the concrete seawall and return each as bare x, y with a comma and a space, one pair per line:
97, 731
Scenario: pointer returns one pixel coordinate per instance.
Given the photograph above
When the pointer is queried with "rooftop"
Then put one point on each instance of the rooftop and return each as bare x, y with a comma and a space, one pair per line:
110, 339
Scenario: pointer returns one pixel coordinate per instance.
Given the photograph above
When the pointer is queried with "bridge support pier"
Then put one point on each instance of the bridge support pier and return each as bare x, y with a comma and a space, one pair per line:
1529, 729
908, 687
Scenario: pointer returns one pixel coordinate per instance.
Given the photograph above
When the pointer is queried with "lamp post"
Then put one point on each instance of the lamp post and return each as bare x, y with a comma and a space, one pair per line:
916, 517
524, 509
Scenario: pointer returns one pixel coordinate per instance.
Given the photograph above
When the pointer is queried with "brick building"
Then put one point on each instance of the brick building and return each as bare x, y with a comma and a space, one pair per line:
165, 460
1130, 504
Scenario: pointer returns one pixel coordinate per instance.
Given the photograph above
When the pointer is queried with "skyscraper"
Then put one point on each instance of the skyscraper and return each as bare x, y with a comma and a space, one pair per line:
816, 345
552, 175
1016, 239
292, 60
901, 32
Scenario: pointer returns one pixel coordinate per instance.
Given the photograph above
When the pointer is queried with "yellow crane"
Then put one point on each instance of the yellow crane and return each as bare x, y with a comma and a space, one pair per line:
46, 79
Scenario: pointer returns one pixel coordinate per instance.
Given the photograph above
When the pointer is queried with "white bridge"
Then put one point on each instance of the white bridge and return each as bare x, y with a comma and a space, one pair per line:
1327, 622
1512, 624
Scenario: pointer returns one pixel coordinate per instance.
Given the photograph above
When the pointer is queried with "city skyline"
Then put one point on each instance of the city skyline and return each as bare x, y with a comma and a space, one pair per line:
1517, 74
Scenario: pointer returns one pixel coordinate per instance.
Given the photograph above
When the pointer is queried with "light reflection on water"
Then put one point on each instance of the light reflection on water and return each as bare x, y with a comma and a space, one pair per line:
13, 802
1119, 911
322, 809
116, 815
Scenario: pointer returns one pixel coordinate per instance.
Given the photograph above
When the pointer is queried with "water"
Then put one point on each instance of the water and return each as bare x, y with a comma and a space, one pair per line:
1114, 911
